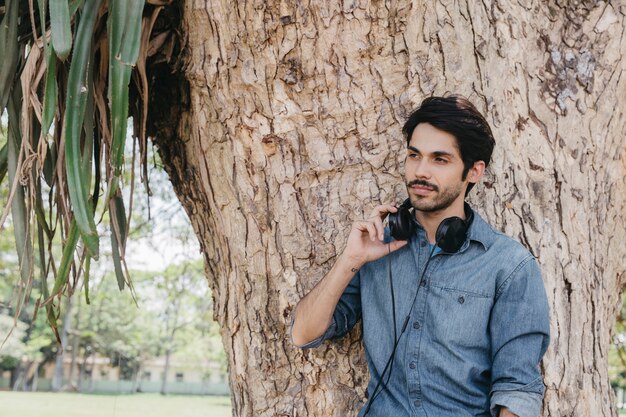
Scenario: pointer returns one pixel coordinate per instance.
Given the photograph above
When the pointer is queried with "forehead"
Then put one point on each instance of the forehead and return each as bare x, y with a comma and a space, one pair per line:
428, 139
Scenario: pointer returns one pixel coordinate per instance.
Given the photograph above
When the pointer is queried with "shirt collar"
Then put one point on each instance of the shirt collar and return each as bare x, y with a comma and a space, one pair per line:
479, 230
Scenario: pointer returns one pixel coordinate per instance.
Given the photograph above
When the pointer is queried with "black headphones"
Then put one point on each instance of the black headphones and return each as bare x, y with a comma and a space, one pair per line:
451, 232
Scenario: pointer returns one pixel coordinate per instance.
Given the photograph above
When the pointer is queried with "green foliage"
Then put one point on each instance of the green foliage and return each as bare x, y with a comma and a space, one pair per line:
64, 169
14, 347
79, 181
8, 362
66, 142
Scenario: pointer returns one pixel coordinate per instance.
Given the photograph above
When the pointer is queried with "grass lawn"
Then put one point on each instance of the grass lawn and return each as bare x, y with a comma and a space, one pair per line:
27, 404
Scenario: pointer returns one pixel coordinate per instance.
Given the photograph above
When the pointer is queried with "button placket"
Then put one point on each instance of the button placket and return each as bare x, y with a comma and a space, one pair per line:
412, 353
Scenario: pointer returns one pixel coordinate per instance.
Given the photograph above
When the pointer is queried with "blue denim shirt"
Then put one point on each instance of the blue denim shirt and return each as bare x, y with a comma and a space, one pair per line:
477, 332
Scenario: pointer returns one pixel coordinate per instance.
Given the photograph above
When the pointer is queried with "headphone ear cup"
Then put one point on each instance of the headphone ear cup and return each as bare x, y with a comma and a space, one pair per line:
451, 234
401, 223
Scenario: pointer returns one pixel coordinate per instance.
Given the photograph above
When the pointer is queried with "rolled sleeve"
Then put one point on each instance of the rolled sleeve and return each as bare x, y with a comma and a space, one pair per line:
347, 313
329, 333
520, 330
522, 404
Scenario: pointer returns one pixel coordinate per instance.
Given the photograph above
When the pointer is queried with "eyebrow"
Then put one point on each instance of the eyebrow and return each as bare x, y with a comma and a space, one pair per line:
435, 153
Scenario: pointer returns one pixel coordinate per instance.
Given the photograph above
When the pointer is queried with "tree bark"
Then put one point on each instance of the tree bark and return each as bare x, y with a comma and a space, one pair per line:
290, 129
75, 346
59, 369
166, 369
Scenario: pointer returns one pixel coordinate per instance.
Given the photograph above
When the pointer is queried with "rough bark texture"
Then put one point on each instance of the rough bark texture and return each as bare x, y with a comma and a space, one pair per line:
293, 131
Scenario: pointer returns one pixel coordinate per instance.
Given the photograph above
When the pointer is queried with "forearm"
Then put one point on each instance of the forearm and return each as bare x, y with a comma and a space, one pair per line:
313, 314
504, 412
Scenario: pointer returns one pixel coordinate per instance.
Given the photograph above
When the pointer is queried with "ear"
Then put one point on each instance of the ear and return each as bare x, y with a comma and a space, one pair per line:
476, 172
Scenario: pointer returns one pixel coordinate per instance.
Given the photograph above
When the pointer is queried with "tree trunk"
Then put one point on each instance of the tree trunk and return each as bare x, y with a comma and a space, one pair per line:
136, 385
35, 380
14, 377
16, 374
83, 371
166, 370
289, 129
75, 346
59, 369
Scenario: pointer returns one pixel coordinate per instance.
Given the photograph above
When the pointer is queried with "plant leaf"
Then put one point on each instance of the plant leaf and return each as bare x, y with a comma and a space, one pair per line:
119, 232
50, 314
74, 117
4, 155
18, 205
120, 78
49, 95
86, 279
115, 27
131, 40
9, 50
50, 90
88, 128
61, 28
42, 227
67, 258
50, 162
124, 39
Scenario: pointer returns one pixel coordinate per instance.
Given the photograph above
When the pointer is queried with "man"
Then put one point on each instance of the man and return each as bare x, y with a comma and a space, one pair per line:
472, 322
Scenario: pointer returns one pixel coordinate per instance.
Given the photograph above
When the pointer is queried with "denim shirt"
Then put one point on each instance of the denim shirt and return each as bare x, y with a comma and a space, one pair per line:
475, 336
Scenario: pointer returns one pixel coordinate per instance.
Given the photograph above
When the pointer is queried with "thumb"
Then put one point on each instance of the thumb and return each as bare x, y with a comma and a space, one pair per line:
397, 244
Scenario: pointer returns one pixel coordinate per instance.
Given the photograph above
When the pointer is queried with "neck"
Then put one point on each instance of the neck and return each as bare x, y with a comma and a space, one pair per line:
430, 220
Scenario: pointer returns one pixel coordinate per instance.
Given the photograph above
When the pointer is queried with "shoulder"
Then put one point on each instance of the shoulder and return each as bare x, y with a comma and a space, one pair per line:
513, 258
496, 243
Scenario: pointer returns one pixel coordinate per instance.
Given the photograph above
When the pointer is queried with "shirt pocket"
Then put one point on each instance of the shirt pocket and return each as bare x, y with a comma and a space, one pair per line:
459, 317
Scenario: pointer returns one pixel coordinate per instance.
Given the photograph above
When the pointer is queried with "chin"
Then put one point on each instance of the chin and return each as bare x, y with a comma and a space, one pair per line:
423, 205
428, 206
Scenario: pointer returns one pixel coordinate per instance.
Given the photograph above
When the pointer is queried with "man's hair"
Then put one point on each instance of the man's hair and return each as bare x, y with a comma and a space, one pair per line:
456, 115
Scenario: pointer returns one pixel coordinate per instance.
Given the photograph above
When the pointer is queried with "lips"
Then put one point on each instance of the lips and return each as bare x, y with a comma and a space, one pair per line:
421, 188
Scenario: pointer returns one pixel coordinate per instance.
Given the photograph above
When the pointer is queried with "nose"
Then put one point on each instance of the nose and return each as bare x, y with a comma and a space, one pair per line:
420, 169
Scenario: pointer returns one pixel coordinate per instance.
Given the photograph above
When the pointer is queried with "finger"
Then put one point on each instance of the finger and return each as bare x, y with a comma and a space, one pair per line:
371, 229
382, 210
397, 244
366, 227
380, 229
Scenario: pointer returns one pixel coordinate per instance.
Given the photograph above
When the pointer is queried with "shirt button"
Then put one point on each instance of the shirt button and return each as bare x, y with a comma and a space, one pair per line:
417, 403
461, 299
412, 365
423, 243
423, 283
416, 325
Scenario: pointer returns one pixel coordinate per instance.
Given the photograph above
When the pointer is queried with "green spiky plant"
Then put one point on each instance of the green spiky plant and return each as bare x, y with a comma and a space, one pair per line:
66, 71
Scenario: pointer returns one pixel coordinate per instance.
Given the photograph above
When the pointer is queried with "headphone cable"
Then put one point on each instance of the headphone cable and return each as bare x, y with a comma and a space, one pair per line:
390, 361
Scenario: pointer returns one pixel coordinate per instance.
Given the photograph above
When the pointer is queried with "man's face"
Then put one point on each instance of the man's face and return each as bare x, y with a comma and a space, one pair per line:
433, 169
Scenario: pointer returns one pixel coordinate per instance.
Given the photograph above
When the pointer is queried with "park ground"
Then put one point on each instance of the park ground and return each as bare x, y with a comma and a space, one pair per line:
27, 404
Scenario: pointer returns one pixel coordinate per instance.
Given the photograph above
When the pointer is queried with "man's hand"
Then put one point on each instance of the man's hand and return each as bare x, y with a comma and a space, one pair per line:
314, 312
365, 242
504, 412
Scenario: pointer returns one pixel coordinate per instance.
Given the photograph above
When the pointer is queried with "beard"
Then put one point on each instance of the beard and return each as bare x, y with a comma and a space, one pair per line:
441, 200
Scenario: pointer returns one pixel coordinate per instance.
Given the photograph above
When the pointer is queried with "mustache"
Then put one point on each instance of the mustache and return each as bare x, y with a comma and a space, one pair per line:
423, 184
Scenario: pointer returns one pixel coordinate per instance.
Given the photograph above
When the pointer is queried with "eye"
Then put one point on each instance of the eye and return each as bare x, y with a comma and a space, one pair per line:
441, 160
